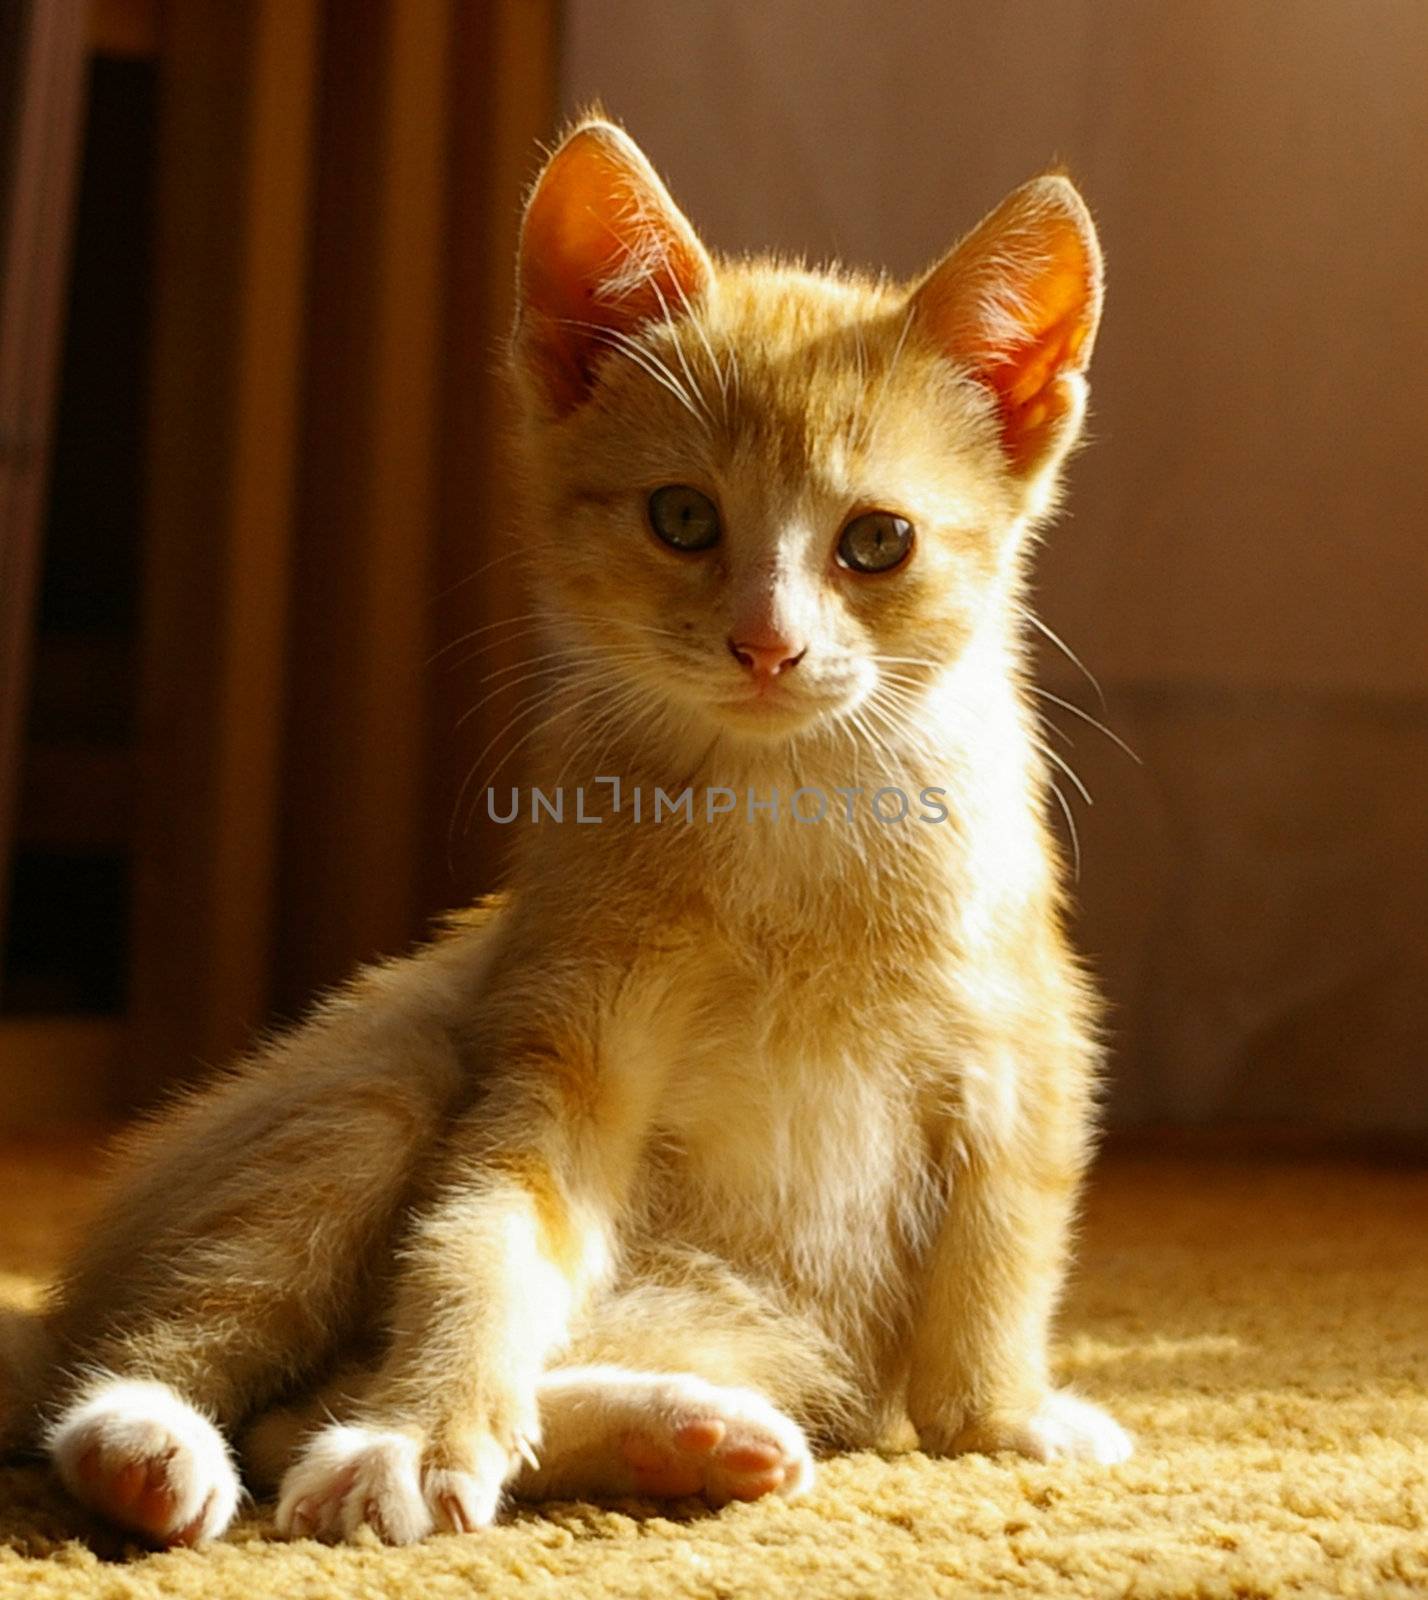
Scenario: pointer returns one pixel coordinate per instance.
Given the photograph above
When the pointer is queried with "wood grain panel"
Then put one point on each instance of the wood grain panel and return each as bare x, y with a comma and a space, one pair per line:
505, 64
45, 44
231, 257
356, 746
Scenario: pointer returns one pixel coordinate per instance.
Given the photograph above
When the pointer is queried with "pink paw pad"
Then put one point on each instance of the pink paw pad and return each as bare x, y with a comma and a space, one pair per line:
705, 1455
137, 1495
139, 1455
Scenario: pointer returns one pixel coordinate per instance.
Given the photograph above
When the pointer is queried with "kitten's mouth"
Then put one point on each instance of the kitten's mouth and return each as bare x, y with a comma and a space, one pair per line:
773, 710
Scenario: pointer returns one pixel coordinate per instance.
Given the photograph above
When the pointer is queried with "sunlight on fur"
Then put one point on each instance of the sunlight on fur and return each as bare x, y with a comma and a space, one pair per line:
709, 1145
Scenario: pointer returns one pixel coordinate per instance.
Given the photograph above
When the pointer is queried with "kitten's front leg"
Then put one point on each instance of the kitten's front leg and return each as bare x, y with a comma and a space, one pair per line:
979, 1377
490, 1278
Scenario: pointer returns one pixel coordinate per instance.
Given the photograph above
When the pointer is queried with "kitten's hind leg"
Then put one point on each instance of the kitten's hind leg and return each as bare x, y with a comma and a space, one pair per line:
612, 1431
688, 1381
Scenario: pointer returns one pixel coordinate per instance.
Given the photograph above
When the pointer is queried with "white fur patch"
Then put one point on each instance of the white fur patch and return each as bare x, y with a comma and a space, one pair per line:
1068, 1428
123, 1424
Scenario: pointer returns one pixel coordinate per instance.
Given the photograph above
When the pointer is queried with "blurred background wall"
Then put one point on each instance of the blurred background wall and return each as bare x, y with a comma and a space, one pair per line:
315, 251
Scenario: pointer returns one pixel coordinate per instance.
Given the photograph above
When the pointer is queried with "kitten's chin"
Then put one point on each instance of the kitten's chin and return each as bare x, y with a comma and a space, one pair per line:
766, 725
772, 717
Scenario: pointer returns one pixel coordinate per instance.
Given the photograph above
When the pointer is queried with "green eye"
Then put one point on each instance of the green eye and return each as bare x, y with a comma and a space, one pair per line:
684, 518
875, 542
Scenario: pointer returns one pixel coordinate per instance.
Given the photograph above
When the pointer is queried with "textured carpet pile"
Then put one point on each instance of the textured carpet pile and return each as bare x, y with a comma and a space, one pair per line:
1262, 1328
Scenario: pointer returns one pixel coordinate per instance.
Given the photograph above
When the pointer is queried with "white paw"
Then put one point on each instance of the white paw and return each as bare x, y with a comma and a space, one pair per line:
351, 1477
677, 1435
1067, 1428
140, 1455
462, 1502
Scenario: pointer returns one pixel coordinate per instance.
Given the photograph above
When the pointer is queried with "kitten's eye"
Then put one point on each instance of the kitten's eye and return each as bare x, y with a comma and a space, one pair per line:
684, 518
875, 542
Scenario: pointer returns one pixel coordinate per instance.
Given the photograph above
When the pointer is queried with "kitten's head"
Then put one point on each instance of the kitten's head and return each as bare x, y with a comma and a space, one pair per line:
764, 494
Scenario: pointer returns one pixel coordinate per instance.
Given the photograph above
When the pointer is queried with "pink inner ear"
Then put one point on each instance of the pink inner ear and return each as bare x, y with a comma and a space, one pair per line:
1026, 375
1018, 302
603, 247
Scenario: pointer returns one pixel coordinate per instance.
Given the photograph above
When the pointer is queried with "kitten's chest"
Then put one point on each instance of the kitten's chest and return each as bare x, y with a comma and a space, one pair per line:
755, 1118
789, 1137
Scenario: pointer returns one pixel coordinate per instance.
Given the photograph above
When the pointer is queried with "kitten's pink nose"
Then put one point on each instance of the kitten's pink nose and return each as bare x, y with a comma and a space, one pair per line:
767, 654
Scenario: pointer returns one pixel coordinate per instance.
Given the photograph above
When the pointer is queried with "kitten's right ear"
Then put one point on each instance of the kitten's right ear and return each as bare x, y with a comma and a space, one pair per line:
603, 250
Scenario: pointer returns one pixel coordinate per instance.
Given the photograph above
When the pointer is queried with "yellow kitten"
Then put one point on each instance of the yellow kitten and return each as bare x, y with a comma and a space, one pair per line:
750, 1121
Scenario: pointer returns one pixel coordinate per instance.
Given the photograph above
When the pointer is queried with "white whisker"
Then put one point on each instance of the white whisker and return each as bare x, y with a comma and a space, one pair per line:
1086, 716
1066, 650
533, 617
698, 324
585, 699
1071, 828
1065, 767
644, 358
471, 577
694, 389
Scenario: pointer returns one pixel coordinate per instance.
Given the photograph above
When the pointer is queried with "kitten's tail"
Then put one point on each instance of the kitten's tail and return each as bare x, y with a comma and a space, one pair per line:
24, 1359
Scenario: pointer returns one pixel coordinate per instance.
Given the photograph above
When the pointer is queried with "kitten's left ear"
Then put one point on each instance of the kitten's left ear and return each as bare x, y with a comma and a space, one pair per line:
603, 250
1017, 303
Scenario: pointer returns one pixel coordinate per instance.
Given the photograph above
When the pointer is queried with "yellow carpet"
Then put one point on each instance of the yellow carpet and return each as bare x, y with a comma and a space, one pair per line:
1263, 1329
